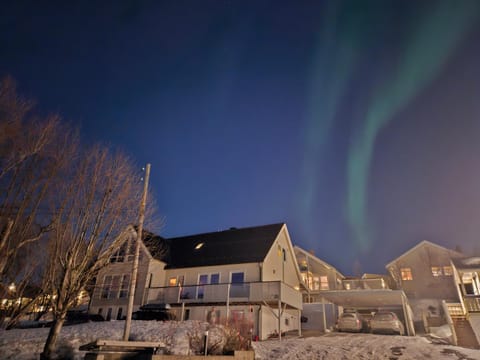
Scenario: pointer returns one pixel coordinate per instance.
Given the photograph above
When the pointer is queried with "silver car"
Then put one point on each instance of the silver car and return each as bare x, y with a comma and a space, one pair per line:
386, 322
351, 321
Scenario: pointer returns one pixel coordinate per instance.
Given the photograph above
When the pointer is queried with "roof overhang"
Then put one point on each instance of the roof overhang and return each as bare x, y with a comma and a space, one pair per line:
365, 298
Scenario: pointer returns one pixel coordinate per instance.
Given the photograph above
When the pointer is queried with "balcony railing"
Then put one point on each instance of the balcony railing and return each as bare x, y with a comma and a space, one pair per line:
472, 303
254, 292
364, 284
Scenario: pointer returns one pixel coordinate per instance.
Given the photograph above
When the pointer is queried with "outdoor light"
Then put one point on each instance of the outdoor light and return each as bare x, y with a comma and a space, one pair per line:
12, 287
199, 246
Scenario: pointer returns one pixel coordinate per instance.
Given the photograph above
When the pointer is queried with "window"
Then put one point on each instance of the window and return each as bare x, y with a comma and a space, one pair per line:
406, 273
107, 284
124, 253
238, 288
202, 280
436, 271
214, 278
124, 286
447, 271
324, 283
115, 286
119, 314
172, 281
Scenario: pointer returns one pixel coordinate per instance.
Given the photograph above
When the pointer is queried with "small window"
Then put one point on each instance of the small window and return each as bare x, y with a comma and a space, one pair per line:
172, 281
406, 274
447, 271
436, 271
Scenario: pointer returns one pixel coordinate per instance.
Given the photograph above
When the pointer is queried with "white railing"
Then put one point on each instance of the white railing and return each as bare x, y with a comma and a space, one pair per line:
472, 303
364, 284
255, 292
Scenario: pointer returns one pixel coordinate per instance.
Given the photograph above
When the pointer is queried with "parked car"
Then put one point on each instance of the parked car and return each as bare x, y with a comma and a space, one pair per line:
79, 317
386, 322
351, 321
154, 312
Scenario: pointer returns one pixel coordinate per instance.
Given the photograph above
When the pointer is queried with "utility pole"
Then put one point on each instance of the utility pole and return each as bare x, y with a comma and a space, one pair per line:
133, 282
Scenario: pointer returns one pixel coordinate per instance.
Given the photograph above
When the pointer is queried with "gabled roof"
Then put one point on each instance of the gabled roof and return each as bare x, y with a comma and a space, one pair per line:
420, 245
318, 260
233, 246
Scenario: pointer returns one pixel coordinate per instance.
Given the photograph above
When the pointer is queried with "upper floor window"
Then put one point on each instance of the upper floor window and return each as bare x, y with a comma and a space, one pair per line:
324, 283
447, 271
115, 286
436, 271
406, 273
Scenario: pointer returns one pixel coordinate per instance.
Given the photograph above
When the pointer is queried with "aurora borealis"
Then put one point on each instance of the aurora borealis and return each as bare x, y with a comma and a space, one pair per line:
355, 122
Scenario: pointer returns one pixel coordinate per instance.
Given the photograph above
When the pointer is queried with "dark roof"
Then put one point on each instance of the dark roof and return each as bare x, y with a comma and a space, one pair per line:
233, 246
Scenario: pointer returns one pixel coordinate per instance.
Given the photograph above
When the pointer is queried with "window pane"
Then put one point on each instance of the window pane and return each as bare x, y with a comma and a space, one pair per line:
107, 283
172, 281
202, 280
436, 271
214, 278
447, 271
124, 287
237, 277
406, 274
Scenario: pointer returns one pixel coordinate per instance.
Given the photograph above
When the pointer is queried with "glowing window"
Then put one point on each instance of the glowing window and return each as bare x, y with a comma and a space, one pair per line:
324, 283
406, 274
436, 271
172, 281
447, 271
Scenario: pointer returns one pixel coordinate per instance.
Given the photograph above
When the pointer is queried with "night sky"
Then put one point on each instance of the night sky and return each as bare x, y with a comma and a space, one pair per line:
355, 122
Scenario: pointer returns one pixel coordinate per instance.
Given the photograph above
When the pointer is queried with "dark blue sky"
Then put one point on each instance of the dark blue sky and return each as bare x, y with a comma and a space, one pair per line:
355, 122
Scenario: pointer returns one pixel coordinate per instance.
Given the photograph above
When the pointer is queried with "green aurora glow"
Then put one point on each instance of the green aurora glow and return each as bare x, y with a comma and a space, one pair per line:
429, 46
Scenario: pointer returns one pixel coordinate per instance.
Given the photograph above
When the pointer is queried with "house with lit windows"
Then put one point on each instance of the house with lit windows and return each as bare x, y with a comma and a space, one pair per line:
442, 287
328, 293
248, 277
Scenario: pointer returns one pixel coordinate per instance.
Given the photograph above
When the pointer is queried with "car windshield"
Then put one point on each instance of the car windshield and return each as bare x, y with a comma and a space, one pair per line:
384, 317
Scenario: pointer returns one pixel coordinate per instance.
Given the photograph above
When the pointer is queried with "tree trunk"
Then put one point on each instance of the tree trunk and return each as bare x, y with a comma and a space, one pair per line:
51, 342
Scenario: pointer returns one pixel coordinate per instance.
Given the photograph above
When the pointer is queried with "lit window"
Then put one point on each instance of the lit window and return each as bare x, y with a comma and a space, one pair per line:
436, 271
406, 273
447, 271
172, 281
324, 283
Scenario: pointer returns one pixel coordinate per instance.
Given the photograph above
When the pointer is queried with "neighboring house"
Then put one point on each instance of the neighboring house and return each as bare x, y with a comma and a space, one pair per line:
425, 272
327, 293
242, 276
110, 295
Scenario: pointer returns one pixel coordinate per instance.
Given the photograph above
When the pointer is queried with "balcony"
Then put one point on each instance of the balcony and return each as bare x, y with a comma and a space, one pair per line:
472, 303
252, 293
364, 284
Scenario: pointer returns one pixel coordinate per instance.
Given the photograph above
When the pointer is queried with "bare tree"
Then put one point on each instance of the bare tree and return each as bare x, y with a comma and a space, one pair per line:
98, 200
33, 150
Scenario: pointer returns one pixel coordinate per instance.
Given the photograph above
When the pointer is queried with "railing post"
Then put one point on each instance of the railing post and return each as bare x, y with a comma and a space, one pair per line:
228, 303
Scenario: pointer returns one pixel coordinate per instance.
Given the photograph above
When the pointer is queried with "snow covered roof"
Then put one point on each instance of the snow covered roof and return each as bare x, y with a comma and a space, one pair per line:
420, 245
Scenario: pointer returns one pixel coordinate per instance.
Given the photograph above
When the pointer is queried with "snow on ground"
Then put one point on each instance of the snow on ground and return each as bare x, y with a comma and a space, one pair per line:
26, 344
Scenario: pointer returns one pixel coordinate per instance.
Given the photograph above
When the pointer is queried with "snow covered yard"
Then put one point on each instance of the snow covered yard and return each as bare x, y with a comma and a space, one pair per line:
26, 344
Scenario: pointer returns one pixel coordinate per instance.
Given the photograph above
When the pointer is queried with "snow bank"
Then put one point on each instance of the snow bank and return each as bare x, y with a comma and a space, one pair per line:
27, 344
